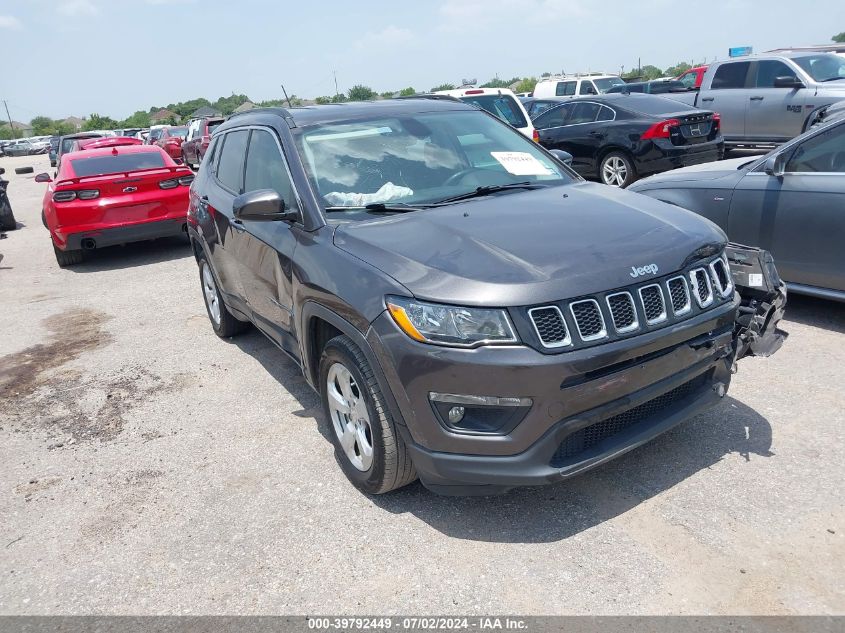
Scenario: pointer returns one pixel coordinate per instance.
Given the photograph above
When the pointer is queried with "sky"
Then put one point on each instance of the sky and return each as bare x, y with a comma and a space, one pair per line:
113, 57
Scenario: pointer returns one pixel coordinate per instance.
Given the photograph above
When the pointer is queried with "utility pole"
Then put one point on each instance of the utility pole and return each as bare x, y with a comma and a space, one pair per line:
9, 116
336, 91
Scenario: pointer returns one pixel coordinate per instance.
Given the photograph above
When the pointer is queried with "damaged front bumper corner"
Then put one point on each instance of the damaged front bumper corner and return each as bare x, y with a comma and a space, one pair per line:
763, 294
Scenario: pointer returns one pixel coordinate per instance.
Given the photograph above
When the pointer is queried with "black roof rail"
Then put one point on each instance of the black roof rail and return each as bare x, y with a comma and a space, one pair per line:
428, 95
282, 112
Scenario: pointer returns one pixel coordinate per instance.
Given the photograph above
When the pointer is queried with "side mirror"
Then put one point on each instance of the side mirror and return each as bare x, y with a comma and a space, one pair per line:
263, 205
788, 82
775, 165
45, 177
563, 157
2, 171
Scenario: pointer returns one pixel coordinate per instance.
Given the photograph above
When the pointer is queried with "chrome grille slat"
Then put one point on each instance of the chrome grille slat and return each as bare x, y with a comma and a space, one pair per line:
701, 287
550, 326
623, 312
721, 277
588, 319
654, 304
679, 295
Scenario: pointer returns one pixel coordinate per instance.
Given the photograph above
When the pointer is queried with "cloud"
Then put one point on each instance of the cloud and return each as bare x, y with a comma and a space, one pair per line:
78, 8
387, 37
163, 2
460, 15
10, 22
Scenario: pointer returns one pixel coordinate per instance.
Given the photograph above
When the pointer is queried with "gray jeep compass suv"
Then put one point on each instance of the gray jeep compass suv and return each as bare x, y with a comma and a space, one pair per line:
471, 312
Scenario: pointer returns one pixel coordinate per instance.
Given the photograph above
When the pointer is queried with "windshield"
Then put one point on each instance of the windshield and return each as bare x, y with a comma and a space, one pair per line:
502, 106
181, 132
100, 165
648, 104
419, 159
607, 83
822, 67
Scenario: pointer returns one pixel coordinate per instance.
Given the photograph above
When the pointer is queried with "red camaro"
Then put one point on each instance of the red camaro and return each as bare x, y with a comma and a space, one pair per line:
171, 141
113, 195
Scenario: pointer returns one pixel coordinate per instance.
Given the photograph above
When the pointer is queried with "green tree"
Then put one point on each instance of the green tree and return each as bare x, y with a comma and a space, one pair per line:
407, 92
443, 87
361, 93
322, 100
677, 69
6, 133
138, 119
42, 125
499, 83
97, 122
387, 95
527, 85
840, 38
227, 105
339, 98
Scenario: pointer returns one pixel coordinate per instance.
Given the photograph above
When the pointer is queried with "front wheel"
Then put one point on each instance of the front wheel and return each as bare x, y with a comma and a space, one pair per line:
368, 447
617, 170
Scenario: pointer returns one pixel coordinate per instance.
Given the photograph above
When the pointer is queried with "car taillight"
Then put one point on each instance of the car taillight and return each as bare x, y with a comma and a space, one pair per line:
474, 92
88, 194
172, 183
64, 196
717, 121
660, 130
186, 180
536, 136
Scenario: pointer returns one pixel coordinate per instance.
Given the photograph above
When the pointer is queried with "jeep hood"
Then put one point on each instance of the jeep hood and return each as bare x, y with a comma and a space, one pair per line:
528, 247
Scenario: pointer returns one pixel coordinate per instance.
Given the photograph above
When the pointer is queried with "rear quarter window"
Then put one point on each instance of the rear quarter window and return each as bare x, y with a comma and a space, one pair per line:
115, 164
729, 76
502, 106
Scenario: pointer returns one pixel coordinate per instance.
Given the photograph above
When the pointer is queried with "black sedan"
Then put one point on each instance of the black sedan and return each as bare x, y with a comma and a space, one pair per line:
618, 138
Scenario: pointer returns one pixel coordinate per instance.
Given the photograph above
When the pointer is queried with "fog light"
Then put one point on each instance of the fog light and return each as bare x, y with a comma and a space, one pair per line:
479, 415
456, 414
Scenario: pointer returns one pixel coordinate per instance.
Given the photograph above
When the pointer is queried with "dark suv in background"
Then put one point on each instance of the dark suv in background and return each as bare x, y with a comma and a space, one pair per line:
469, 309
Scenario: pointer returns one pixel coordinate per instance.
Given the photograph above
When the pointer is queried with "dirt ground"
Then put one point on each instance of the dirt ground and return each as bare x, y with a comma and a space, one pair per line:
149, 467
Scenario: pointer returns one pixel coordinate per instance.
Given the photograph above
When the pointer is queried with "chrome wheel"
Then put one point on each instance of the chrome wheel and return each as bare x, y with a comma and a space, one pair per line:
614, 171
350, 417
209, 290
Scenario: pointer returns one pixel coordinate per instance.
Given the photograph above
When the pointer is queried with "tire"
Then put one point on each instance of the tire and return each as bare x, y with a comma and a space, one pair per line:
345, 375
223, 322
68, 258
23, 170
617, 170
44, 220
7, 218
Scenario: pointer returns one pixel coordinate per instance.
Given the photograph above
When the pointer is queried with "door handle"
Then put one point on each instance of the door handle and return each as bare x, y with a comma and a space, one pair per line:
756, 98
708, 99
597, 134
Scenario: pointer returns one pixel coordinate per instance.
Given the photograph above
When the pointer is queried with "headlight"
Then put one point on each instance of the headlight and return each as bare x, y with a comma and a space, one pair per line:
450, 325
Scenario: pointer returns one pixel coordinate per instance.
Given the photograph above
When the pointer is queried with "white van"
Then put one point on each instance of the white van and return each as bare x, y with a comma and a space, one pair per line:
500, 102
576, 85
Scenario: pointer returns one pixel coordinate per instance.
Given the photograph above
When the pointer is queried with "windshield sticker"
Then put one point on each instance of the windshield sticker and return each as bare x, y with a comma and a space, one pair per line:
521, 164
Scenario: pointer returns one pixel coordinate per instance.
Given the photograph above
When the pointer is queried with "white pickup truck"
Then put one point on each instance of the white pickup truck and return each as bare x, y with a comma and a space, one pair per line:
770, 98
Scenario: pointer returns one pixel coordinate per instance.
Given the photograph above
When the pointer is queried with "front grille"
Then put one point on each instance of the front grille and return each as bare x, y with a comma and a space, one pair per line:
591, 320
588, 319
679, 293
623, 312
653, 305
550, 326
701, 287
588, 437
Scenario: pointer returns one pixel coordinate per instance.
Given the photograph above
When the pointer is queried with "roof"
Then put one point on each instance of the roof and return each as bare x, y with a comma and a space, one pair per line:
336, 112
164, 113
205, 111
246, 105
17, 125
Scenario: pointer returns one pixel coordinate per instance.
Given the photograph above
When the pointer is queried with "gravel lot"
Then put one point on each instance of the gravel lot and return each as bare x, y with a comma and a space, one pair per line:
149, 467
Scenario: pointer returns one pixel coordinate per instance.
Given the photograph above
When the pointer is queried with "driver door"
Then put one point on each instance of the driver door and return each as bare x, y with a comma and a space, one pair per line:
799, 216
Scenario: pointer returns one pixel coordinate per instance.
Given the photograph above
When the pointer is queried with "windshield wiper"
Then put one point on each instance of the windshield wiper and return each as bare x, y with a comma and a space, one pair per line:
378, 207
832, 79
487, 190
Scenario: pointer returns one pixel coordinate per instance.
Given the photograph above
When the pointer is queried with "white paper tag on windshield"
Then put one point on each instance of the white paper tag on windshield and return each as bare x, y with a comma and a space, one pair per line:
521, 164
755, 280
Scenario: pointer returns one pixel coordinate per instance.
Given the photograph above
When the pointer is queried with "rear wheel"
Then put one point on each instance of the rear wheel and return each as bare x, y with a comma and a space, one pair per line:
223, 322
69, 257
368, 447
617, 170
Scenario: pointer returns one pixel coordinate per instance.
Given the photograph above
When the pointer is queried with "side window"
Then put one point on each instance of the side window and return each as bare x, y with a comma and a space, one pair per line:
540, 106
553, 117
688, 79
768, 69
565, 88
587, 88
584, 113
230, 167
265, 168
636, 88
822, 153
606, 114
731, 75
210, 160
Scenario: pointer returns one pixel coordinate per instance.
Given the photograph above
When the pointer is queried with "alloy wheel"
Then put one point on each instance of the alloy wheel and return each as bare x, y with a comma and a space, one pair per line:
209, 290
614, 171
350, 416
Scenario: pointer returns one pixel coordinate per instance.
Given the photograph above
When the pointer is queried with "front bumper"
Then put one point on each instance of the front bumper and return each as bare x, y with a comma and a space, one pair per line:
589, 405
